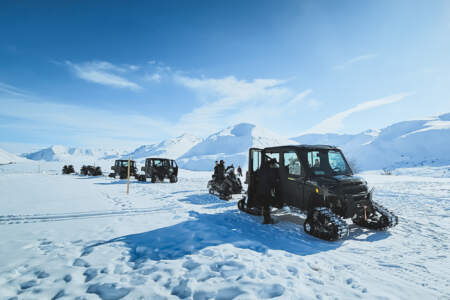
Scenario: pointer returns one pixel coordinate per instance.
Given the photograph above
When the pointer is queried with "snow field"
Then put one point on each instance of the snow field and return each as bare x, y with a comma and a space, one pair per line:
73, 237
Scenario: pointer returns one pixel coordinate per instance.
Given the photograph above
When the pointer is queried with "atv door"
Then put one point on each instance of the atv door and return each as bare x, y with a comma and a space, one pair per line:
292, 180
254, 164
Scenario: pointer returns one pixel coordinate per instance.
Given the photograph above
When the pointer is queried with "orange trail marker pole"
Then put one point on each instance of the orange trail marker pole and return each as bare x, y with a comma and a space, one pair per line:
128, 176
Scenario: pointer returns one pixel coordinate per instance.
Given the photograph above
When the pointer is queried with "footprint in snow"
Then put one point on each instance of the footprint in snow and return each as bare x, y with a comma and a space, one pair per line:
108, 291
41, 274
81, 263
28, 284
90, 274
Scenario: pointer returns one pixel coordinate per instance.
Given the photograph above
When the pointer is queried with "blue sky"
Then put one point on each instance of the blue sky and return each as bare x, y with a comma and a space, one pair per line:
126, 73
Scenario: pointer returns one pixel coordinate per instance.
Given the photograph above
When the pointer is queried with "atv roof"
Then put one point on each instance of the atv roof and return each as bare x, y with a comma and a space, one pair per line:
152, 158
302, 147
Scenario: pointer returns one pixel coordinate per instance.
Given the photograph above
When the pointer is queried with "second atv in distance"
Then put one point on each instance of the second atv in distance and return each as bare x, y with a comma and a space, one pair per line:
159, 169
317, 180
121, 168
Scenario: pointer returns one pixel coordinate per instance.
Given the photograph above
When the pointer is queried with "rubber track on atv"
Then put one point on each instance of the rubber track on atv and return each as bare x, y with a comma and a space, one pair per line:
324, 224
252, 211
220, 195
386, 219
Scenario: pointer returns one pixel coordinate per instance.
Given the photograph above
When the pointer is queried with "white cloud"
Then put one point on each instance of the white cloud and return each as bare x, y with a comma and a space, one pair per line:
355, 60
103, 72
229, 100
336, 122
156, 77
133, 67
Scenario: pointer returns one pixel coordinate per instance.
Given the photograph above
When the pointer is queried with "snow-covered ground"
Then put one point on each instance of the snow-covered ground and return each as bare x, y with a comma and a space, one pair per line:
72, 237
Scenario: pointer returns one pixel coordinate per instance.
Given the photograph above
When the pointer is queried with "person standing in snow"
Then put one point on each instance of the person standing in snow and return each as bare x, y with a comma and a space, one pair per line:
239, 171
268, 178
221, 171
216, 170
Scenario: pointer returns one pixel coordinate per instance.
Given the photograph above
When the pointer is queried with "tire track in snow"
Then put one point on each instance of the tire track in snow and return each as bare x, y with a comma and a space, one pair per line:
18, 219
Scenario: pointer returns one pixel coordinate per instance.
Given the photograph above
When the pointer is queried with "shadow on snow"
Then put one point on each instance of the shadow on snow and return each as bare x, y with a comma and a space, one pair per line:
230, 227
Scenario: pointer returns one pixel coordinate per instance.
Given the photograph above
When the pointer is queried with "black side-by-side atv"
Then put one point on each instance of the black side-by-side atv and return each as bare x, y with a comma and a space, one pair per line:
158, 169
317, 180
91, 171
68, 169
120, 169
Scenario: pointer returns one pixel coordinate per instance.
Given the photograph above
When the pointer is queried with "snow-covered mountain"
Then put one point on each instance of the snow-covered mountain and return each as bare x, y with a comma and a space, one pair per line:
403, 144
71, 154
9, 158
170, 148
230, 144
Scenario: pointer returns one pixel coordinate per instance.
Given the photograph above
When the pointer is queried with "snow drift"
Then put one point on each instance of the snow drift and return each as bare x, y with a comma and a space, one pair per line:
230, 144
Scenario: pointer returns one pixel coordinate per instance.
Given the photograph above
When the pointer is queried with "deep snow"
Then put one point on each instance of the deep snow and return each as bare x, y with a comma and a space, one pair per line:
72, 237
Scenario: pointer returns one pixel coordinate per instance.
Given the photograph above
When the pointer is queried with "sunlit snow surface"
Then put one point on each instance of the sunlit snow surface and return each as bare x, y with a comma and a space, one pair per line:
66, 236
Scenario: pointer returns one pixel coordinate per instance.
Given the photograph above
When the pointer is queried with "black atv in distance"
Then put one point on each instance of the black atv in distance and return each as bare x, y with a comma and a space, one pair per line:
317, 180
91, 171
68, 169
158, 169
121, 168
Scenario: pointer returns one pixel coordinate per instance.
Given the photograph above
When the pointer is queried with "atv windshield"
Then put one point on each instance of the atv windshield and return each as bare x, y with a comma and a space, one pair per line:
328, 163
124, 163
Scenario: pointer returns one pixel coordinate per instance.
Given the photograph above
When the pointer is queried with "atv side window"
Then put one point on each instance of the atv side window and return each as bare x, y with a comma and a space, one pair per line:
292, 164
313, 159
256, 160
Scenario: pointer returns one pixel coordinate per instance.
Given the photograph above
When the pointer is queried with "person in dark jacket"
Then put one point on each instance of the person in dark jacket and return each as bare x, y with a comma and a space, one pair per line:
221, 171
216, 170
268, 175
239, 171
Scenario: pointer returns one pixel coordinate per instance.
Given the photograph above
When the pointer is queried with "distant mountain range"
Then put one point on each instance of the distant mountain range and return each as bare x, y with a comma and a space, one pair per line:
403, 144
70, 154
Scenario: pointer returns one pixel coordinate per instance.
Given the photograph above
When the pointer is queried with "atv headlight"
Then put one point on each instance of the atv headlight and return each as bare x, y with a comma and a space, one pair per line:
317, 190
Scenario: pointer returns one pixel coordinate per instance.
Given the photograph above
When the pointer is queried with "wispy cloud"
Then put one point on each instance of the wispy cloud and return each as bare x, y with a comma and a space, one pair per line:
354, 60
229, 100
52, 120
336, 122
104, 73
11, 90
300, 97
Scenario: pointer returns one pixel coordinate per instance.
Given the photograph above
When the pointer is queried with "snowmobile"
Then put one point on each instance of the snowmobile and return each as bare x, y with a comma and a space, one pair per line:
158, 169
317, 180
91, 171
68, 169
121, 168
227, 187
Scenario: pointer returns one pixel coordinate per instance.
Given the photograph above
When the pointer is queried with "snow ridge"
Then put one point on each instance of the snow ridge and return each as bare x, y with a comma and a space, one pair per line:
230, 144
403, 144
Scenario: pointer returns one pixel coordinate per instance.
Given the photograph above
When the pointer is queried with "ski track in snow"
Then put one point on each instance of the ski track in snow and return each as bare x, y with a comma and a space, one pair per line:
175, 241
